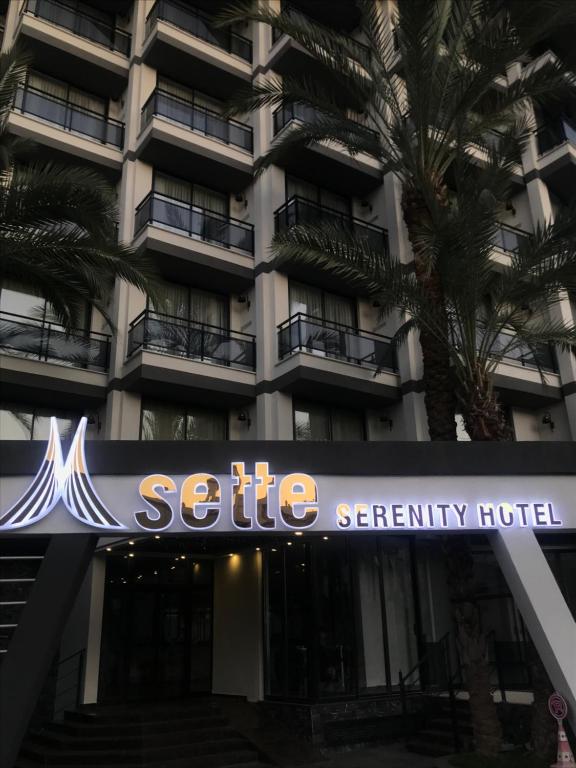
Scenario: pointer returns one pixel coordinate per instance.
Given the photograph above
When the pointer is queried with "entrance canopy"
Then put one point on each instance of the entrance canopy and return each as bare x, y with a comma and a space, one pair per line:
124, 487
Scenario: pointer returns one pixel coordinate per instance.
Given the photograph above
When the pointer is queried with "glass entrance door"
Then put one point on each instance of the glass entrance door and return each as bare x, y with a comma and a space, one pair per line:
157, 633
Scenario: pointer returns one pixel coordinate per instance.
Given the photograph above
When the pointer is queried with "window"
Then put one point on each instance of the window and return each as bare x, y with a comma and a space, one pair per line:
29, 423
163, 421
61, 90
193, 194
188, 303
301, 188
16, 299
315, 302
313, 421
190, 96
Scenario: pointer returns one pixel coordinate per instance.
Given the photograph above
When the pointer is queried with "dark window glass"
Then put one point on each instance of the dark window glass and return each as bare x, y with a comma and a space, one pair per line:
163, 421
313, 421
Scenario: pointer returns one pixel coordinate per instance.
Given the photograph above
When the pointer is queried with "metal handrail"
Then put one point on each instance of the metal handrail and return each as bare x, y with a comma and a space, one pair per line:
332, 324
450, 677
196, 13
294, 108
288, 8
194, 108
182, 344
47, 329
345, 219
24, 90
115, 33
77, 686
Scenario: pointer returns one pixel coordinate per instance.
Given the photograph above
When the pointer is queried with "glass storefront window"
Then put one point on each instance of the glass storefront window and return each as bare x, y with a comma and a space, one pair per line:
163, 421
340, 617
313, 421
28, 423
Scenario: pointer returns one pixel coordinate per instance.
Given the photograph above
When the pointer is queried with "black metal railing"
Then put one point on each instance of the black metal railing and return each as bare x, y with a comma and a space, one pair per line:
197, 118
509, 660
172, 335
297, 210
49, 342
69, 683
540, 356
509, 239
303, 333
361, 52
305, 114
195, 222
200, 25
436, 672
70, 117
81, 23
555, 133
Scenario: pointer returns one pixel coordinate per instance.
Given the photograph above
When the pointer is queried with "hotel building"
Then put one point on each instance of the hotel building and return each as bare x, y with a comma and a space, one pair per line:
234, 349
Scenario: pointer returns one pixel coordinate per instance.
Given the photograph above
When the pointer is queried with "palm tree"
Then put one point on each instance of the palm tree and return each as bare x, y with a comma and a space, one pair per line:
431, 89
493, 312
58, 231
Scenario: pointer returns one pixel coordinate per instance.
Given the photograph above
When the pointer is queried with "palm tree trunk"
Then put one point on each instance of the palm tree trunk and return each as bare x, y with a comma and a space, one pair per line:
472, 646
439, 397
483, 414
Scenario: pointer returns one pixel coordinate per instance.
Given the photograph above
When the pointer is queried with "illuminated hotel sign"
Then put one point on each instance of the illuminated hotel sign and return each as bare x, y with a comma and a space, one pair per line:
62, 498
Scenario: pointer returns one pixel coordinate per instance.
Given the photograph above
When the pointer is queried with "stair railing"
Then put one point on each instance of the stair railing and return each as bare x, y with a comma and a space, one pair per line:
417, 677
70, 672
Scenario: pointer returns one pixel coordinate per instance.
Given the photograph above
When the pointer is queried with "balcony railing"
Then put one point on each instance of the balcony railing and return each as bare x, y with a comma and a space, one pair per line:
541, 356
195, 222
171, 335
197, 118
200, 25
81, 23
303, 333
70, 117
554, 134
509, 239
288, 10
298, 210
305, 114
40, 340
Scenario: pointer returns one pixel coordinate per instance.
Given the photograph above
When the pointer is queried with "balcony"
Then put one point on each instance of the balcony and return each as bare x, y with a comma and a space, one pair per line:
556, 142
175, 32
90, 127
183, 357
98, 51
220, 247
333, 361
509, 239
40, 358
173, 129
288, 56
356, 175
298, 211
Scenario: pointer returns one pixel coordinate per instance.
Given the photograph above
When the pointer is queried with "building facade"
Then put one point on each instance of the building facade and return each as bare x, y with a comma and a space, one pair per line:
234, 348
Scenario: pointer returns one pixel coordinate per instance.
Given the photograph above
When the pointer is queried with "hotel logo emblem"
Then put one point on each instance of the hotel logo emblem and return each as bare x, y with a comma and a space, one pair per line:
58, 480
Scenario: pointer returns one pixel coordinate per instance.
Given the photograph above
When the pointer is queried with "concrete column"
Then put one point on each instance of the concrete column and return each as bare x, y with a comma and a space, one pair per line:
11, 23
94, 634
542, 605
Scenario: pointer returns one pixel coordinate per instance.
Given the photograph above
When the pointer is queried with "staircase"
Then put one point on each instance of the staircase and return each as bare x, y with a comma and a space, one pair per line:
191, 734
437, 737
20, 559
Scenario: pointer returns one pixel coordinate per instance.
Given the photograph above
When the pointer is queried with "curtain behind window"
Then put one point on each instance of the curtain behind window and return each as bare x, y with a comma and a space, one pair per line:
210, 200
171, 299
48, 85
172, 187
208, 308
347, 425
305, 299
339, 309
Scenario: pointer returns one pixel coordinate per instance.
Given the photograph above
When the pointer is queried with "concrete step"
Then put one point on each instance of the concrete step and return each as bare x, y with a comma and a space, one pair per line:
94, 726
220, 760
136, 756
86, 740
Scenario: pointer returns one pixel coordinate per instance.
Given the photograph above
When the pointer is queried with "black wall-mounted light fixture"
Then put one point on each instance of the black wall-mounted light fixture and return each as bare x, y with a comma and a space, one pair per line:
241, 198
245, 419
388, 421
243, 299
547, 419
367, 205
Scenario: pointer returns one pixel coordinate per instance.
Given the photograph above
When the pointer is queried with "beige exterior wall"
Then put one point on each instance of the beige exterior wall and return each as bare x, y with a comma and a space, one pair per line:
263, 302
